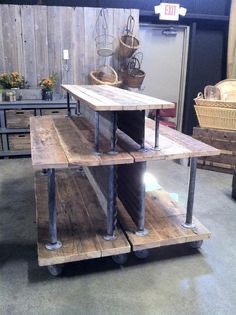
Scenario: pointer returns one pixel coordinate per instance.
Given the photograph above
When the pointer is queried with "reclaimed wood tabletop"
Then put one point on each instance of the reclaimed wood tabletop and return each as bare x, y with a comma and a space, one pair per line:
109, 98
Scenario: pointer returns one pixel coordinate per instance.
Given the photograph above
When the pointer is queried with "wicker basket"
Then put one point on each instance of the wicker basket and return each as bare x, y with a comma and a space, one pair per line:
105, 75
128, 45
216, 117
200, 101
227, 89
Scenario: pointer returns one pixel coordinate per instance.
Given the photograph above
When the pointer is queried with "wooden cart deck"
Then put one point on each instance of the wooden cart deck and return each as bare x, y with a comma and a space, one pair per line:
81, 221
62, 142
164, 219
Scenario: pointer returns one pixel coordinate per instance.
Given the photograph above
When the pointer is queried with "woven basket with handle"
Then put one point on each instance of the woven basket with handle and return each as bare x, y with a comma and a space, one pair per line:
105, 75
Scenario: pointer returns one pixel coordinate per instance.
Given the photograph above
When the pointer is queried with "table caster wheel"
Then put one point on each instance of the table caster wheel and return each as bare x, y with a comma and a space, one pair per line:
120, 259
196, 244
55, 270
142, 254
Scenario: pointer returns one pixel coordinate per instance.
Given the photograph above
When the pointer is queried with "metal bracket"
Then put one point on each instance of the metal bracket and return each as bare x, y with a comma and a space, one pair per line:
110, 237
53, 246
188, 226
142, 232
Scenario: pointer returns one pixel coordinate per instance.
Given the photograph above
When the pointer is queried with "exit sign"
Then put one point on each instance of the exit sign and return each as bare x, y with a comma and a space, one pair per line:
169, 11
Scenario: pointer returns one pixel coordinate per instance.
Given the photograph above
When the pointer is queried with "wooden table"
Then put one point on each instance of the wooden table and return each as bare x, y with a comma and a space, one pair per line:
84, 230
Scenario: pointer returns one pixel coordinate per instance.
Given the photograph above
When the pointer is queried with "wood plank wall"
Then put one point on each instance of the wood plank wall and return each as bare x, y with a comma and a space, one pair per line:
32, 39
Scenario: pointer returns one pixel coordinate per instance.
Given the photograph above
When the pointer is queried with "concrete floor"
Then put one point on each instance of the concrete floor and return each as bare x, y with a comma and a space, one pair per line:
173, 280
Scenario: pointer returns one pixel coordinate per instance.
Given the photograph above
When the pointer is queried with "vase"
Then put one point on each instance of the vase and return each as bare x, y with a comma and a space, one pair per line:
47, 95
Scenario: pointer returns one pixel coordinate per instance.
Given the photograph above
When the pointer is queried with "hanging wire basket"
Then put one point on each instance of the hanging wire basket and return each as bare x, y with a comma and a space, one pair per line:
104, 40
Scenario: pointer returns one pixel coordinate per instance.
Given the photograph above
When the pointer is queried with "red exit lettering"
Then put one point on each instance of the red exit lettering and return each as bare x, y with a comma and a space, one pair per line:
170, 9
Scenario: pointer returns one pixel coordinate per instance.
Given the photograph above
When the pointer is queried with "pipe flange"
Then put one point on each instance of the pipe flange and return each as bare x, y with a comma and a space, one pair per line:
142, 232
188, 226
110, 237
53, 246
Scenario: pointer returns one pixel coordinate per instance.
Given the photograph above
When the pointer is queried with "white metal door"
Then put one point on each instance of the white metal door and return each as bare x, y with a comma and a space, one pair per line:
165, 51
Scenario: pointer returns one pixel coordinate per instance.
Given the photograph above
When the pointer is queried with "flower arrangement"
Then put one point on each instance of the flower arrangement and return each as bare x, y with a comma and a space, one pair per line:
12, 80
48, 83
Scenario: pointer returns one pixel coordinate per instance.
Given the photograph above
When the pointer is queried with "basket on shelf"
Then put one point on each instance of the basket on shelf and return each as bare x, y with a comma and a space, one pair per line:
227, 89
216, 117
105, 75
218, 108
200, 101
133, 76
128, 43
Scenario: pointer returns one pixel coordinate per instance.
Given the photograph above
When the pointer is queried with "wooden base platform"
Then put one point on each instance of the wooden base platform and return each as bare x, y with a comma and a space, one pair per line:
81, 221
163, 219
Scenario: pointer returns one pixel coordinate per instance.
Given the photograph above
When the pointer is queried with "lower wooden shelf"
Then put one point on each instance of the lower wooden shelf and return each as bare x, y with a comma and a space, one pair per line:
81, 221
163, 220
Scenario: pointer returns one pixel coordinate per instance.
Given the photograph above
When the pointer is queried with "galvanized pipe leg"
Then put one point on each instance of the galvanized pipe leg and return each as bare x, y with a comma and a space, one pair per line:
141, 231
142, 145
97, 116
78, 108
157, 132
193, 168
68, 104
54, 243
111, 204
114, 135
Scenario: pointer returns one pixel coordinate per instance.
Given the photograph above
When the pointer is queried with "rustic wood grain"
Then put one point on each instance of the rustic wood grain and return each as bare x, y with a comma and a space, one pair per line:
173, 145
108, 98
77, 140
164, 220
81, 221
41, 41
18, 118
46, 151
28, 37
32, 39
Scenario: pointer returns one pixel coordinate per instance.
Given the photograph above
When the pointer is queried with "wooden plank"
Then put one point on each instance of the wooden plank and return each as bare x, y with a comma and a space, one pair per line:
173, 145
214, 134
78, 52
222, 140
9, 42
77, 140
216, 168
2, 57
107, 98
41, 41
164, 220
90, 17
66, 16
81, 222
28, 37
46, 150
54, 34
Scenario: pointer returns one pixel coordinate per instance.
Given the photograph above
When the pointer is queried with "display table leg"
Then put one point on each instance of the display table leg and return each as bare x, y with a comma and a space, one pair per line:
114, 135
111, 204
78, 108
157, 132
142, 145
68, 104
97, 147
193, 168
52, 211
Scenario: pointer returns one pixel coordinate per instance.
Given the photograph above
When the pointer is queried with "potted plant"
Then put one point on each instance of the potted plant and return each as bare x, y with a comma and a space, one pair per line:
14, 81
47, 85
